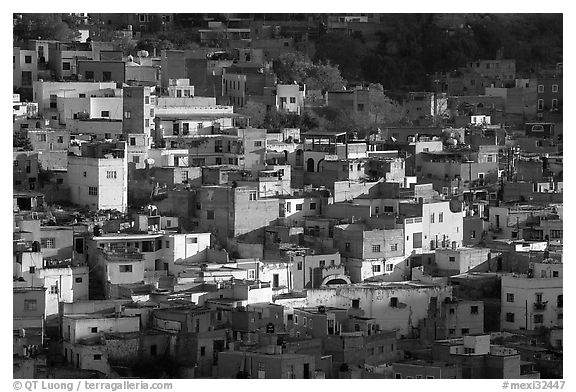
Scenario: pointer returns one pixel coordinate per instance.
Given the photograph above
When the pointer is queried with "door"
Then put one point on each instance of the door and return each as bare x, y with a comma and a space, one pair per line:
275, 280
306, 370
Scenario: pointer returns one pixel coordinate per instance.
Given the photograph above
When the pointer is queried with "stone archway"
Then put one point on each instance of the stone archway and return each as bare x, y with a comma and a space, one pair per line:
335, 279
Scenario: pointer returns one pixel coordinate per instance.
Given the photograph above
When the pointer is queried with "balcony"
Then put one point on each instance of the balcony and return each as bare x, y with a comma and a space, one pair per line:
540, 306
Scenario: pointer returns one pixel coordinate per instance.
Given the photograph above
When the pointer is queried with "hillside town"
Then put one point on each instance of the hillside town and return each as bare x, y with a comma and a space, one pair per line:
214, 196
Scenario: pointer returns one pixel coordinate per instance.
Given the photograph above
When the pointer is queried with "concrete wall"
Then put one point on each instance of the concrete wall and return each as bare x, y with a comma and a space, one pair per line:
375, 301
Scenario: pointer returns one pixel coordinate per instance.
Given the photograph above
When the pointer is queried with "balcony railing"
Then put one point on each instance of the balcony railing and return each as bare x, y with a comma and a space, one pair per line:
540, 306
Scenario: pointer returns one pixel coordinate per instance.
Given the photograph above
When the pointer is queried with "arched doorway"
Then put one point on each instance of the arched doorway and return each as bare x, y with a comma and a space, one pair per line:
318, 166
310, 165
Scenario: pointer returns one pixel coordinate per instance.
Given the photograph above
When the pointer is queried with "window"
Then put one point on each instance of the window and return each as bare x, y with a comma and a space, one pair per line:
473, 309
394, 247
356, 303
389, 267
451, 311
111, 174
299, 266
540, 104
510, 317
147, 100
418, 376
465, 331
298, 207
554, 88
556, 233
30, 305
252, 196
93, 191
312, 206
105, 113
397, 376
347, 246
440, 217
94, 329
97, 357
125, 268
452, 259
376, 268
66, 66
258, 143
473, 234
127, 114
81, 95
560, 301
132, 141
106, 76
252, 274
509, 297
54, 289
184, 176
136, 159
360, 107
539, 298
210, 214
78, 280
538, 318
451, 331
49, 243
288, 207
89, 75
376, 248
430, 377
394, 302
540, 88
432, 218
554, 103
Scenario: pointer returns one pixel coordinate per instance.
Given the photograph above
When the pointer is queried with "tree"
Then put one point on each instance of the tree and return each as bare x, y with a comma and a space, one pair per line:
256, 111
382, 109
292, 67
45, 26
149, 44
324, 77
341, 49
295, 67
21, 141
